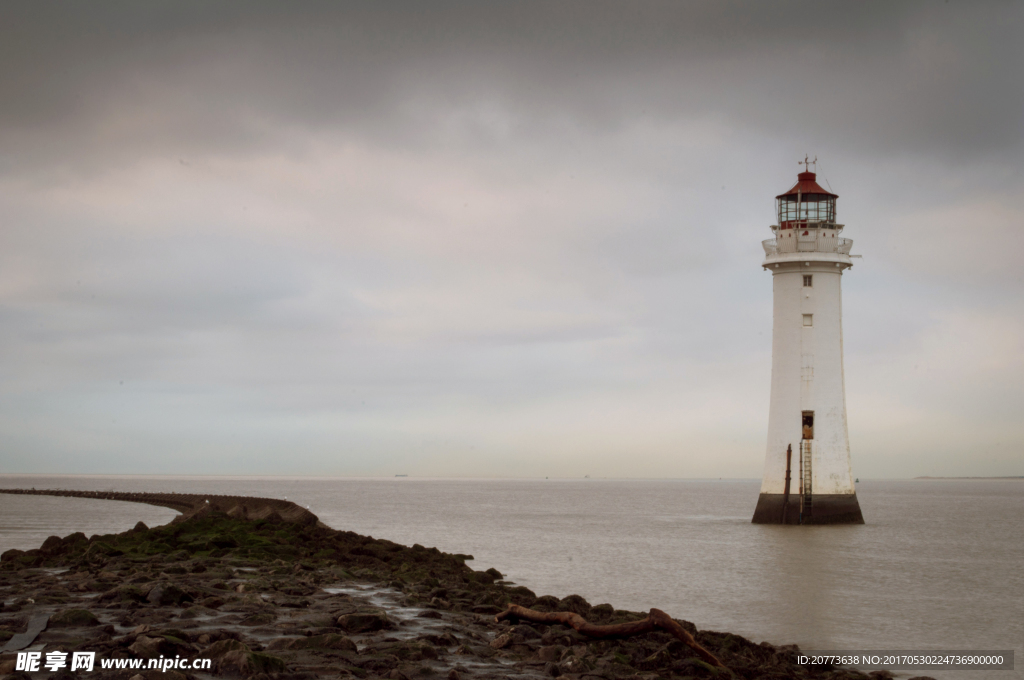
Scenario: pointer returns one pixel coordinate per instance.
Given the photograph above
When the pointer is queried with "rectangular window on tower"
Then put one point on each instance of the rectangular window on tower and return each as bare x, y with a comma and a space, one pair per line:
808, 319
807, 280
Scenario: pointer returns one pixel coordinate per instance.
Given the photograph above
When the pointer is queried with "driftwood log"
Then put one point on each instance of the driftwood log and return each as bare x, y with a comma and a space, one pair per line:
656, 619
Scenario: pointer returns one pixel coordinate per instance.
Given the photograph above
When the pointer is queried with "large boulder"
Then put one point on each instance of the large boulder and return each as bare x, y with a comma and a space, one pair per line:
51, 544
73, 618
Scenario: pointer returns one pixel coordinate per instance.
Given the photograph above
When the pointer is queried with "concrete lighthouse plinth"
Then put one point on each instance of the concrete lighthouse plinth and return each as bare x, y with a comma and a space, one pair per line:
807, 475
837, 508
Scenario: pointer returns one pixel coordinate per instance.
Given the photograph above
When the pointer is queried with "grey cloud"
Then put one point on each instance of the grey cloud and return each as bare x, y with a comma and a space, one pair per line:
924, 78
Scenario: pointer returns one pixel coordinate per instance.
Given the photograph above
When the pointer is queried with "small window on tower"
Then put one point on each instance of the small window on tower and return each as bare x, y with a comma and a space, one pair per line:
807, 280
808, 319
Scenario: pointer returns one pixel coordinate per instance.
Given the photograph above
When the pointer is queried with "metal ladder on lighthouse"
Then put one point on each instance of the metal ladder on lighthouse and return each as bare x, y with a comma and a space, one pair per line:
806, 500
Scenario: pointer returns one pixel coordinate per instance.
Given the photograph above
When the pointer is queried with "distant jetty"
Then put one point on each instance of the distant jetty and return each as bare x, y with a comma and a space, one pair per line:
1016, 477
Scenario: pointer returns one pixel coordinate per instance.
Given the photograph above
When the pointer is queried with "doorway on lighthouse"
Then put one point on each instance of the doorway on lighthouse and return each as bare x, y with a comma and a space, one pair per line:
808, 424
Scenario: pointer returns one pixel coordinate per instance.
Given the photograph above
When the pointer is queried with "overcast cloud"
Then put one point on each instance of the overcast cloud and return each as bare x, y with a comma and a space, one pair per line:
497, 239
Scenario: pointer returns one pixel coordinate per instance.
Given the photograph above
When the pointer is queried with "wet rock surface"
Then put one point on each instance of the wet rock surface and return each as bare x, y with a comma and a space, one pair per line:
271, 599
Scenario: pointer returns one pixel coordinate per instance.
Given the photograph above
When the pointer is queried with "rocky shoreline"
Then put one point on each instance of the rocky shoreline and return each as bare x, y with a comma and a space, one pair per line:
276, 595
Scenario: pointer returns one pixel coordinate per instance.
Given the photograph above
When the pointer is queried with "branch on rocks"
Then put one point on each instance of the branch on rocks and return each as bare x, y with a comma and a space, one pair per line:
656, 619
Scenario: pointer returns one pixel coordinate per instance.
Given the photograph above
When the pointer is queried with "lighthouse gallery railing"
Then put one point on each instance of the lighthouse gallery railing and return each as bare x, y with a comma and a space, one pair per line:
815, 242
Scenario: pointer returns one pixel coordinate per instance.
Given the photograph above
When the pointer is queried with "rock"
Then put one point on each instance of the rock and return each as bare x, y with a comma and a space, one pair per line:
574, 604
328, 641
364, 622
7, 667
167, 594
545, 603
73, 618
125, 593
402, 651
550, 653
575, 665
660, 659
140, 526
51, 544
239, 662
148, 647
238, 512
138, 676
446, 640
11, 554
694, 667
196, 612
429, 614
526, 632
522, 596
453, 675
552, 669
501, 641
281, 643
259, 619
221, 647
74, 538
379, 664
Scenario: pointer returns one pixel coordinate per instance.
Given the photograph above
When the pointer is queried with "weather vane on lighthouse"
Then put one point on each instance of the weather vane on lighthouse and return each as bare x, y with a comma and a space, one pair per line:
807, 431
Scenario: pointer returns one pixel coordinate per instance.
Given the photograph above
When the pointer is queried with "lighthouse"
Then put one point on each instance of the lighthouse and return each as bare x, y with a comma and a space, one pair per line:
807, 474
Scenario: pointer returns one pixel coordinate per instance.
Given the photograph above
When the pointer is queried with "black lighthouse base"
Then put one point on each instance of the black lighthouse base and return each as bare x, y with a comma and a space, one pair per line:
823, 509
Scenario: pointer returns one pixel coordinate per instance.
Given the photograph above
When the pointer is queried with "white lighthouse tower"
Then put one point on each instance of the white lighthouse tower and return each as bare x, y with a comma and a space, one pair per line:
807, 476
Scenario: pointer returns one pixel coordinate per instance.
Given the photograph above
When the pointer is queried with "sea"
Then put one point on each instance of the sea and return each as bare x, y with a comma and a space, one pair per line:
939, 564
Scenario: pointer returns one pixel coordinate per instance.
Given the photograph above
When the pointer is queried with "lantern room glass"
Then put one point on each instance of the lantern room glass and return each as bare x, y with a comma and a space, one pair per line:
810, 208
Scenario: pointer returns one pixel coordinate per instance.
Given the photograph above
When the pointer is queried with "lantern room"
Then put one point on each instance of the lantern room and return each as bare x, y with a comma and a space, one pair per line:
806, 204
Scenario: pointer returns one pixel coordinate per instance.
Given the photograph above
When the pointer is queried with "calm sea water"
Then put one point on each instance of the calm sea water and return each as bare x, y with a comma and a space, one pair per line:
939, 564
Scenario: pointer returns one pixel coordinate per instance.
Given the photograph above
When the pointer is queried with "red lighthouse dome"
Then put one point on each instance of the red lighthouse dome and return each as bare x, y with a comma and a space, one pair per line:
806, 205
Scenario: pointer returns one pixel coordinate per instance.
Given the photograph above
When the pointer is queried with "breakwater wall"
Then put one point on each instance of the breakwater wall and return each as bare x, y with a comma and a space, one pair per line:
192, 505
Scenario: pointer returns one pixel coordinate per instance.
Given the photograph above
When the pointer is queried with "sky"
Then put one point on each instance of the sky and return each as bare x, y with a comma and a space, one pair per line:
464, 239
